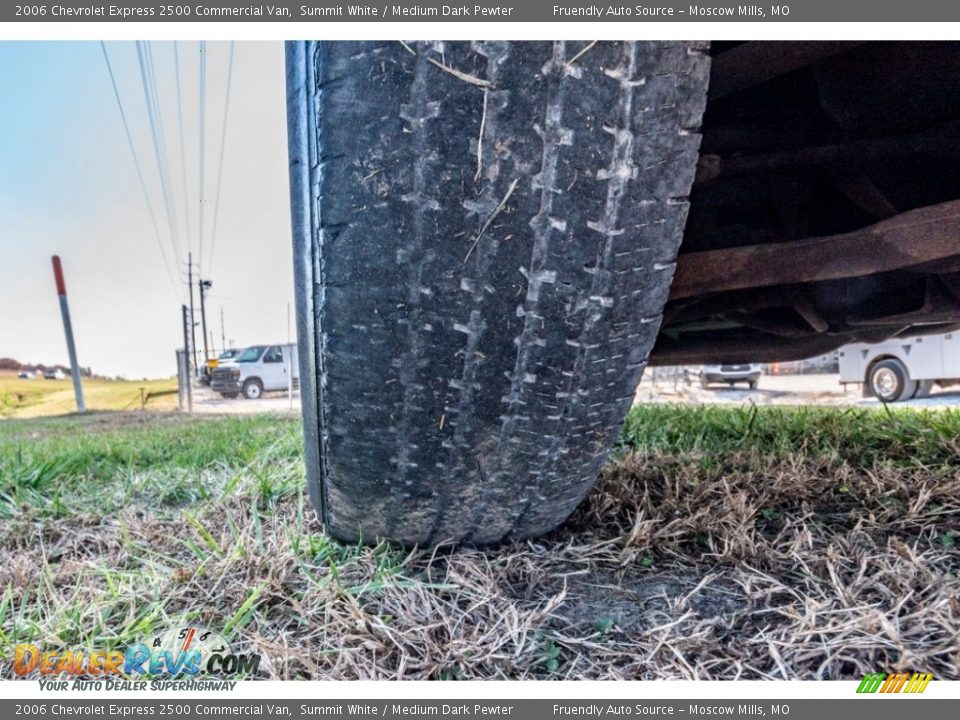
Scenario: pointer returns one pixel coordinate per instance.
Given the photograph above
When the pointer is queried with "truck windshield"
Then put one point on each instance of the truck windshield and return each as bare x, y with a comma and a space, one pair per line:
251, 354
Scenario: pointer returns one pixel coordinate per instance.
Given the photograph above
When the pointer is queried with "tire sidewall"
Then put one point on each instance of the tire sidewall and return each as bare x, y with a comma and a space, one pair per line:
253, 389
898, 371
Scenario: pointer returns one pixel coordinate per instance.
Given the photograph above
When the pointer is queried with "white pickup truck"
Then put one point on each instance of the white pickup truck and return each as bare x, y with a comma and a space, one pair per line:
902, 368
256, 370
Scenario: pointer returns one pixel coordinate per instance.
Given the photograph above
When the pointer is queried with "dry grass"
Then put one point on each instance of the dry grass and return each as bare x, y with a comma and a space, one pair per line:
724, 545
43, 398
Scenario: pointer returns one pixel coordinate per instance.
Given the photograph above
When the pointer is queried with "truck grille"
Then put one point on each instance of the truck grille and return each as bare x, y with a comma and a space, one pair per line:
221, 373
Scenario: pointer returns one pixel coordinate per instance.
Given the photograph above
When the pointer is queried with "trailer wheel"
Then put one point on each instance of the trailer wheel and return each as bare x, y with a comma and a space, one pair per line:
890, 382
484, 239
924, 388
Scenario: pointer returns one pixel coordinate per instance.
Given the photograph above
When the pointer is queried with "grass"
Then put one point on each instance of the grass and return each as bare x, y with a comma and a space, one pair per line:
39, 397
718, 543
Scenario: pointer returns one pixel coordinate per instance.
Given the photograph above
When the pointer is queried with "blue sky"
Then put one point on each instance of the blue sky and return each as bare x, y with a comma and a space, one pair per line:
68, 185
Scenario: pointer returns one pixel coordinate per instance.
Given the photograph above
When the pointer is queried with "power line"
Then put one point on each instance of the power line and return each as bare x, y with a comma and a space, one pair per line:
183, 157
203, 143
159, 146
136, 163
223, 142
161, 137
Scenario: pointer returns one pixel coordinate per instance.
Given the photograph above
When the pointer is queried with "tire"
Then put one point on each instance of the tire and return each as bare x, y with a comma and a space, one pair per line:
924, 388
484, 240
253, 389
889, 381
753, 384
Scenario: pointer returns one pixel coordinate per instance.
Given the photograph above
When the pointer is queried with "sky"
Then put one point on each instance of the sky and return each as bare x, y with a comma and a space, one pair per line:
69, 186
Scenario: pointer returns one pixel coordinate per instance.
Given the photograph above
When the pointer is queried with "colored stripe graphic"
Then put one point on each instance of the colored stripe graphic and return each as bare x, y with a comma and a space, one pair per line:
871, 682
896, 683
919, 682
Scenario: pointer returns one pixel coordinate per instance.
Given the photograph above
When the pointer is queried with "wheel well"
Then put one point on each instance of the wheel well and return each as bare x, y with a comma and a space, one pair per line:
253, 378
816, 161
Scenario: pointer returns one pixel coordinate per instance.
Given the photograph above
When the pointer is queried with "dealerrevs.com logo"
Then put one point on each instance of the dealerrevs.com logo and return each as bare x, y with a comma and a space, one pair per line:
191, 657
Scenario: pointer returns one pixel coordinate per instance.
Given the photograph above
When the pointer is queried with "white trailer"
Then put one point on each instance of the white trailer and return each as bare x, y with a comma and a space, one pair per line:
902, 368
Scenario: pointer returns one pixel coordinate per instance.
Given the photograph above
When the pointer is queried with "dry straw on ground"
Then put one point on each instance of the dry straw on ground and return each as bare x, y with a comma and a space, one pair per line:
741, 562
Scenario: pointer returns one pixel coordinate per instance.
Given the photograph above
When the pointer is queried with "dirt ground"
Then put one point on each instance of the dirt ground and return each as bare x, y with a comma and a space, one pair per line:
811, 389
656, 387
207, 402
820, 389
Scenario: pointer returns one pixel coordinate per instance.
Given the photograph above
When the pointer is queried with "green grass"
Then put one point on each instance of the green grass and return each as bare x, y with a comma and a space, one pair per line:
861, 436
63, 466
40, 397
117, 526
88, 470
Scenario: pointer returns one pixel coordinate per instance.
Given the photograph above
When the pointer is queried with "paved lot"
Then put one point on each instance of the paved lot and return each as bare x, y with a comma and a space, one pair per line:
775, 390
205, 401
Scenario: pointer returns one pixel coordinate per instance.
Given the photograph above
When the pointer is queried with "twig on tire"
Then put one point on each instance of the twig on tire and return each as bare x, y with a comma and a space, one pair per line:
497, 210
483, 123
581, 54
460, 75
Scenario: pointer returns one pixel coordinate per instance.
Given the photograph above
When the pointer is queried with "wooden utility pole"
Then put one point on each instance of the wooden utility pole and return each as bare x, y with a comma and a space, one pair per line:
193, 325
204, 286
187, 349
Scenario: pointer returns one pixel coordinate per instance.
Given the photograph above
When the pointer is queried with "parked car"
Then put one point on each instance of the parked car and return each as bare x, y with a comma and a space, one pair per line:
256, 370
26, 375
53, 374
731, 374
902, 368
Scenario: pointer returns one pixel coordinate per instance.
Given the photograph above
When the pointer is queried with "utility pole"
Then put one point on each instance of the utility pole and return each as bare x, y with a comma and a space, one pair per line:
223, 333
204, 286
68, 331
188, 374
193, 325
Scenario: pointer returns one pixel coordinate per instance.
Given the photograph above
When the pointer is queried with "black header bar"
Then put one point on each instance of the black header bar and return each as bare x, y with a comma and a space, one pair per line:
584, 11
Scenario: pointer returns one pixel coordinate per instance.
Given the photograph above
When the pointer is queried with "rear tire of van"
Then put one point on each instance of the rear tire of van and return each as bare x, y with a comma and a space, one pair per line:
484, 239
890, 382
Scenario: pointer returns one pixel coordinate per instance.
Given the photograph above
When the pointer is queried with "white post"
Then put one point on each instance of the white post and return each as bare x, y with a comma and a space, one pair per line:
68, 331
290, 375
